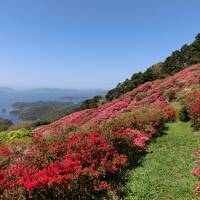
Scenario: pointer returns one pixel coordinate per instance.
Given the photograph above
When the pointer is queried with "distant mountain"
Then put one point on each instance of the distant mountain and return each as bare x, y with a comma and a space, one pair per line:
62, 93
6, 90
68, 92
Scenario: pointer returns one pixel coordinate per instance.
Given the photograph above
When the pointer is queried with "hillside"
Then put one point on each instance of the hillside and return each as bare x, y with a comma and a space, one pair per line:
153, 94
177, 61
85, 155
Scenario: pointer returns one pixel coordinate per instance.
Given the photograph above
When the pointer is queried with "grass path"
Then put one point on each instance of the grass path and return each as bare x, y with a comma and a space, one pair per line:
165, 173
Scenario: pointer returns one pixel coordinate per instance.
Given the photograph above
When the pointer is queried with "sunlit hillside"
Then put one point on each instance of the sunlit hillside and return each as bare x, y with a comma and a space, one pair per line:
85, 155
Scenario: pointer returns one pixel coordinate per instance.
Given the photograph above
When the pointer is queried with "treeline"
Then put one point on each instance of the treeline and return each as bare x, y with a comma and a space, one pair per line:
187, 55
4, 124
91, 103
178, 60
42, 110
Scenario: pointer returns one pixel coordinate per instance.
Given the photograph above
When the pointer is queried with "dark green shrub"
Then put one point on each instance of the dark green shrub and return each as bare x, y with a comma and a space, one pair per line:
3, 128
183, 114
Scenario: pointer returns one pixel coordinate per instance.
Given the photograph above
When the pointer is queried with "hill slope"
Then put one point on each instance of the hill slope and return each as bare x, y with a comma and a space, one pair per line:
84, 155
155, 94
177, 61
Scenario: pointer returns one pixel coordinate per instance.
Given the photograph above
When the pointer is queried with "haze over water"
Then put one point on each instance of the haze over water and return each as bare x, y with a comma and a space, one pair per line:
12, 96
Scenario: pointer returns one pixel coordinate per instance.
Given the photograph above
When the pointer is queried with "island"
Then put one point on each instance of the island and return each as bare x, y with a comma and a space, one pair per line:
2, 110
42, 110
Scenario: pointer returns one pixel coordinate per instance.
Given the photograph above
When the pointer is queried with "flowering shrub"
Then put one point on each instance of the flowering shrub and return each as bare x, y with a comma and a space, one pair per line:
193, 108
86, 164
196, 172
107, 112
133, 137
150, 121
5, 153
128, 141
170, 94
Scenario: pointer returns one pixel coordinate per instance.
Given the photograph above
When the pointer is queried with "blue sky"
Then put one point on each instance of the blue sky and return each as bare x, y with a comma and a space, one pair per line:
89, 43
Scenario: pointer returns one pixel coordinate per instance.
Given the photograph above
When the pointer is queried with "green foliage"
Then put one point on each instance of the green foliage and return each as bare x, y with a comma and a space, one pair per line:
71, 129
13, 135
140, 96
5, 124
4, 128
183, 114
90, 103
170, 94
182, 95
178, 60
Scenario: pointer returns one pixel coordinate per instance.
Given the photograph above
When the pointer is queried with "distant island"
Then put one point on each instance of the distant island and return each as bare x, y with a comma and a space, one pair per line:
42, 110
2, 110
56, 91
4, 124
72, 98
32, 111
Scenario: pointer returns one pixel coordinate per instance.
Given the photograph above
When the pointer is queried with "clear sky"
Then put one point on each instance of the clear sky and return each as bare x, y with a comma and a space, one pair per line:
89, 43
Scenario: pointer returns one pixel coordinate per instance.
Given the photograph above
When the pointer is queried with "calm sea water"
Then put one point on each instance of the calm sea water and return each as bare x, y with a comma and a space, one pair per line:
12, 96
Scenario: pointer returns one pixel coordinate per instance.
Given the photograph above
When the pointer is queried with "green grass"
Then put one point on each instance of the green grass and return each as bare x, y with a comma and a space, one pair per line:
165, 172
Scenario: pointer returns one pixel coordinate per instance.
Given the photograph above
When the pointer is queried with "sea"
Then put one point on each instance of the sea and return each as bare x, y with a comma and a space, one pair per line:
9, 96
7, 99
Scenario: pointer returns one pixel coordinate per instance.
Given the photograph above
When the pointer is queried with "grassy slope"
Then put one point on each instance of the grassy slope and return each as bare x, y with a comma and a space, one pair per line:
165, 173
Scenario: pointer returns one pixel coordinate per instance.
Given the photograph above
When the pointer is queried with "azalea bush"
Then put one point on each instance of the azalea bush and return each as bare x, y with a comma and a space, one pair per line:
193, 108
80, 165
82, 169
130, 142
196, 172
170, 94
11, 143
150, 121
